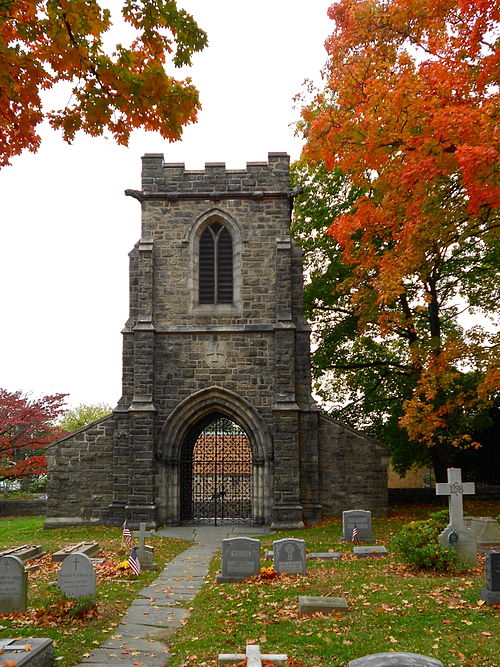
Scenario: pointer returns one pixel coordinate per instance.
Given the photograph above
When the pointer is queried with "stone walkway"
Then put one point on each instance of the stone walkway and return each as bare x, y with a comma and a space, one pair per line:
143, 635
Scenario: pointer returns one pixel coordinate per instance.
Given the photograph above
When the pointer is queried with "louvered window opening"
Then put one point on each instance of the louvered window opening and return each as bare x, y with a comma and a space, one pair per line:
216, 265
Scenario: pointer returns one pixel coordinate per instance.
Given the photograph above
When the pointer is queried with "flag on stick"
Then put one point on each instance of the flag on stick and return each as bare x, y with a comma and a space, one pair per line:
127, 535
133, 561
355, 534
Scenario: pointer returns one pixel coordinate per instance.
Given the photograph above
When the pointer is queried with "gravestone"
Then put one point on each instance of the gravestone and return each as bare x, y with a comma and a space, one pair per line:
27, 652
491, 594
76, 576
456, 533
370, 552
240, 559
13, 585
290, 556
359, 519
88, 548
486, 531
310, 604
145, 551
24, 552
253, 657
395, 660
324, 555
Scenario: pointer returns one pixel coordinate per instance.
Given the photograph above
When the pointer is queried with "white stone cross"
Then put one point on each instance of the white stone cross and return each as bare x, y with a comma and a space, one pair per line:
455, 489
142, 535
254, 657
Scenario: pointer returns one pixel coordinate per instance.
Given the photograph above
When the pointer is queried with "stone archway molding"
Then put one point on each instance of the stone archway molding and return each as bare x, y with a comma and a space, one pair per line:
175, 430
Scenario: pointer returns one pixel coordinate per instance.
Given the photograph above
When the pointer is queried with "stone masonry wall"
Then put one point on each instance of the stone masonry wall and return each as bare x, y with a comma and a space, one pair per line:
353, 470
79, 479
254, 352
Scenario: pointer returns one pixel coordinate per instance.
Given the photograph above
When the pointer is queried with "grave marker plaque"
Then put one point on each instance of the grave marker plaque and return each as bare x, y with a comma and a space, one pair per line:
240, 559
88, 548
310, 604
40, 653
359, 519
13, 585
370, 552
290, 556
395, 659
76, 576
24, 552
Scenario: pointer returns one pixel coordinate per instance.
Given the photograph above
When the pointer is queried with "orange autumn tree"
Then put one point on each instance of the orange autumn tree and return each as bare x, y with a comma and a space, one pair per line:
46, 42
409, 114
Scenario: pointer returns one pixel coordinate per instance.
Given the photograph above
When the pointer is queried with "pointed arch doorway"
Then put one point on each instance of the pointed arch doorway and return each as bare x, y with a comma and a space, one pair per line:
216, 473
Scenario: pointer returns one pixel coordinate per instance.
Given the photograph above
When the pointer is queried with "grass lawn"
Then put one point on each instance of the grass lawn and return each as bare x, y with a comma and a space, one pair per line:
390, 607
48, 613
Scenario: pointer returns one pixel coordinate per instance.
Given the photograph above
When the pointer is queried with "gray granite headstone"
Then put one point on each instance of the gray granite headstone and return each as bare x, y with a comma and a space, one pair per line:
290, 556
395, 660
40, 653
13, 585
359, 519
240, 559
491, 594
486, 530
76, 576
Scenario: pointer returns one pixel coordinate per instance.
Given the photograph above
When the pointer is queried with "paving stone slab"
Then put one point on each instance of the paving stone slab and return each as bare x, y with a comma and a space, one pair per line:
137, 630
157, 617
155, 603
134, 644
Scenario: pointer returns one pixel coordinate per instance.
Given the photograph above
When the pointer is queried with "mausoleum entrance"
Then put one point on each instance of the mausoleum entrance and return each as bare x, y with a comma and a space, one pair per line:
216, 473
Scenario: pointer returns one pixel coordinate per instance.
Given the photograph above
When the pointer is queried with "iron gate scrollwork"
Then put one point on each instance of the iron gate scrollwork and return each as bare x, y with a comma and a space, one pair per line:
216, 475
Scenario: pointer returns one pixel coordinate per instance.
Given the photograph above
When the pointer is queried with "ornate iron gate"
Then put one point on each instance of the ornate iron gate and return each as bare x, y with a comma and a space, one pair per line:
216, 475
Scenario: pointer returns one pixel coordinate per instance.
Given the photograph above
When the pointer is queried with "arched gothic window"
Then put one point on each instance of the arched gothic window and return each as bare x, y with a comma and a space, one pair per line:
216, 265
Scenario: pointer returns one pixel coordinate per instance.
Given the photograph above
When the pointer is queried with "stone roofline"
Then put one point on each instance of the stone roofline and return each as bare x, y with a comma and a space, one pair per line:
80, 430
353, 431
174, 181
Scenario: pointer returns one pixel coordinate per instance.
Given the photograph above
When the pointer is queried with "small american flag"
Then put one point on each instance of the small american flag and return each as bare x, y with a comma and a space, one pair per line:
133, 561
127, 535
355, 534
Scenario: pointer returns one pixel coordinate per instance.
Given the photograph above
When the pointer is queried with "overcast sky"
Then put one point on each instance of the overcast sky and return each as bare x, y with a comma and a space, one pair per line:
67, 228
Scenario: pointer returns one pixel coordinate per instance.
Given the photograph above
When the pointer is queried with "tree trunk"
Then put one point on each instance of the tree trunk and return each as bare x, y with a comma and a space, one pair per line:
440, 462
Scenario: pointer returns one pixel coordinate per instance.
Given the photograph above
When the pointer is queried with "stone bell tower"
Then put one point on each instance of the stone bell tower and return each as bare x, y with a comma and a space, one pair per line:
216, 422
